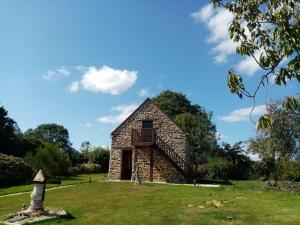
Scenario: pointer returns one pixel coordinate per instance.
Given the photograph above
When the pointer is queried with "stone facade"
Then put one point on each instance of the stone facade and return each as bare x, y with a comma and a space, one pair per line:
154, 166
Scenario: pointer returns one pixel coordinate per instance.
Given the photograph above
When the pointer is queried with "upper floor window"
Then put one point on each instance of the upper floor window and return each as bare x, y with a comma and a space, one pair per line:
147, 124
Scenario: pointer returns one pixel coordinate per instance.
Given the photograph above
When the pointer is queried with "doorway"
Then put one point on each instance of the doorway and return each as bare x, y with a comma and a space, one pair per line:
126, 168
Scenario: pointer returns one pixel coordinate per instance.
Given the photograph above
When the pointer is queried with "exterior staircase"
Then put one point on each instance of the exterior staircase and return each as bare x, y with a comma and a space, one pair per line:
148, 137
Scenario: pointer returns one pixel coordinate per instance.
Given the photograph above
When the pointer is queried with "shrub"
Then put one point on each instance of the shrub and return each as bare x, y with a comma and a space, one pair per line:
218, 168
289, 186
291, 170
85, 168
202, 171
14, 171
262, 169
51, 159
100, 156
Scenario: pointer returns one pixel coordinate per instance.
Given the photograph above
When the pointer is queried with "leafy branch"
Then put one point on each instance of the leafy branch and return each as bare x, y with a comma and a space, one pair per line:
272, 28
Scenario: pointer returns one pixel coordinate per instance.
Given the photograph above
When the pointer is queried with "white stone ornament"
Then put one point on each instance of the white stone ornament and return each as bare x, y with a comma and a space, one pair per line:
37, 195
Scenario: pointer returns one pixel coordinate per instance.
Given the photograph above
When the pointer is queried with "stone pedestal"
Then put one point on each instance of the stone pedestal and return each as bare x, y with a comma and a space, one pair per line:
37, 195
36, 205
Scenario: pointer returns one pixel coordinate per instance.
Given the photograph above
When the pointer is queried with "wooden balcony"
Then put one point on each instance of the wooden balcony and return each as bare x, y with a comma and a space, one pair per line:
143, 137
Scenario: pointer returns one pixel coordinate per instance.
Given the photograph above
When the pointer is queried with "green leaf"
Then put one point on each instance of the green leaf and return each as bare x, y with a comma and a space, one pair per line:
264, 123
291, 103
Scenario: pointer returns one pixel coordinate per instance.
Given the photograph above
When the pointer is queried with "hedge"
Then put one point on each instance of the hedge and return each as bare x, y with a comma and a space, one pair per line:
14, 171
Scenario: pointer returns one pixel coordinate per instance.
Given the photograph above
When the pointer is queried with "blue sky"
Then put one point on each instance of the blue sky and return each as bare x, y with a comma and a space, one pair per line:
88, 64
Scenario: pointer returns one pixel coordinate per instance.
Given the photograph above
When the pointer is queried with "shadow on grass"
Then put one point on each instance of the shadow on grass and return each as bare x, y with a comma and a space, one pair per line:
208, 181
56, 220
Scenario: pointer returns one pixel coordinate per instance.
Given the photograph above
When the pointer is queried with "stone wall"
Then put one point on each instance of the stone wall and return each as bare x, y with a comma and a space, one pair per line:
166, 129
114, 172
164, 171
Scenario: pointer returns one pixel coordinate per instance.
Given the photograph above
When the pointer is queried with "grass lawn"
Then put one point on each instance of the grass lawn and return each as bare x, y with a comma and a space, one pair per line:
65, 181
244, 202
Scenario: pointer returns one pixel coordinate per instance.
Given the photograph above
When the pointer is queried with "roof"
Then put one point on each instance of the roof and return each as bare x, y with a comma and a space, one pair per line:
137, 109
39, 177
147, 101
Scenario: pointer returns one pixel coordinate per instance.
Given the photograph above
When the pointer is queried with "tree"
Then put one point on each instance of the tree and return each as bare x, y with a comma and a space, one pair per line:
100, 156
193, 119
218, 168
277, 144
9, 132
240, 163
272, 29
86, 148
51, 159
76, 157
201, 130
53, 133
175, 103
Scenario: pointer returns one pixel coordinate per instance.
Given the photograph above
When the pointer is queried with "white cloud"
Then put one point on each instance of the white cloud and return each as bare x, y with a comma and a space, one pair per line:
49, 75
243, 114
217, 21
63, 71
55, 74
248, 65
105, 80
123, 112
144, 92
74, 86
223, 49
203, 14
81, 68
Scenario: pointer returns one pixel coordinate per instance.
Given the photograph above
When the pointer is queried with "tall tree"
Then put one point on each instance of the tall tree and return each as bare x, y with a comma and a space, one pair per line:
271, 28
278, 142
175, 103
193, 119
51, 133
240, 163
85, 149
8, 133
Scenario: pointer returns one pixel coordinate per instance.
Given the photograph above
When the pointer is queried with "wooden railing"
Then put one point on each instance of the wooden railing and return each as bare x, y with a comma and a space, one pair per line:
148, 137
182, 166
143, 137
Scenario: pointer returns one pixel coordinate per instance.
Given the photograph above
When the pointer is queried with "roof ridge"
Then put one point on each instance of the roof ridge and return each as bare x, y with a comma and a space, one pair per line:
147, 101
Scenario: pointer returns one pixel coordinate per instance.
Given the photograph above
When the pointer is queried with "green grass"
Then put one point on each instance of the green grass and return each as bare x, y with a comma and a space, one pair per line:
65, 181
118, 203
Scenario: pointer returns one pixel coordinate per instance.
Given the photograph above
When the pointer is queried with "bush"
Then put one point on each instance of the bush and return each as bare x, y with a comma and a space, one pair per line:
85, 168
100, 156
291, 170
201, 171
289, 186
51, 159
218, 168
14, 171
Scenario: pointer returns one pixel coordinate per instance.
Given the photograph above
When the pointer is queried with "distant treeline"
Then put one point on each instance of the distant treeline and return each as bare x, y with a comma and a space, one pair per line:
48, 146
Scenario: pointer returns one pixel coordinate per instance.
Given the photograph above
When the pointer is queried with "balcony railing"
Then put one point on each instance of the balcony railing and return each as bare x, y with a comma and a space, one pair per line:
143, 137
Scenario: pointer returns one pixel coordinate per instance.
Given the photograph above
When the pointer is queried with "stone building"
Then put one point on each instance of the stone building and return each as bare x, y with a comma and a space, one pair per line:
150, 139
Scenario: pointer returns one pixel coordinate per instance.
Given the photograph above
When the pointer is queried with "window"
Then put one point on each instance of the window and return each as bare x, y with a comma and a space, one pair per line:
147, 124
